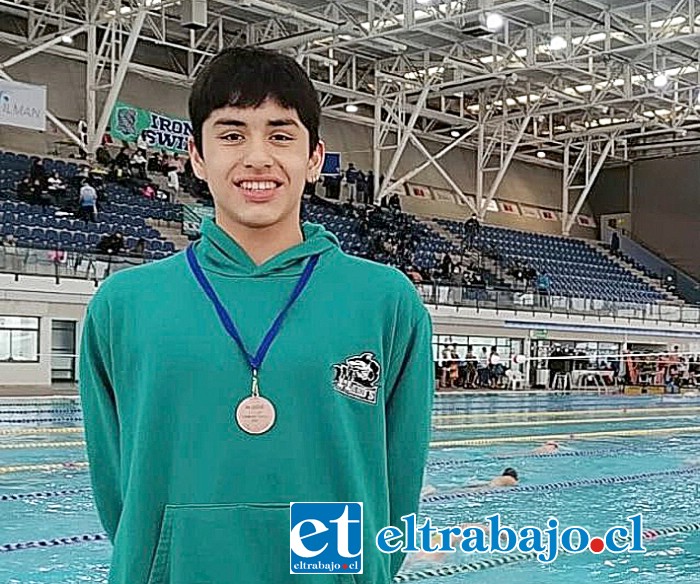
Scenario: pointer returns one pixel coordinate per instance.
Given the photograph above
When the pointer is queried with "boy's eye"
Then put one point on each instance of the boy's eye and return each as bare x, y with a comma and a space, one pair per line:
233, 137
281, 137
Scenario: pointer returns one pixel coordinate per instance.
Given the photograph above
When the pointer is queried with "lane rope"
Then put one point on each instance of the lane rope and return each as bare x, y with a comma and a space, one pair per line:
547, 413
40, 421
572, 436
42, 467
454, 427
45, 495
22, 431
69, 444
648, 534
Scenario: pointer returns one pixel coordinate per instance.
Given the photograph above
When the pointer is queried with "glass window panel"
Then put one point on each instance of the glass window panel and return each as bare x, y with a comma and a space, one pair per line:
4, 345
10, 322
24, 345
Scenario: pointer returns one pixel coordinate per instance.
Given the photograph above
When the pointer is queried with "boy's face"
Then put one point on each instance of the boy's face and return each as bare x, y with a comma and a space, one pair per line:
256, 162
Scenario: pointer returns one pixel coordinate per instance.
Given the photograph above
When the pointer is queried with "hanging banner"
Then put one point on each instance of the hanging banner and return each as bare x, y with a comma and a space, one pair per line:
22, 105
161, 132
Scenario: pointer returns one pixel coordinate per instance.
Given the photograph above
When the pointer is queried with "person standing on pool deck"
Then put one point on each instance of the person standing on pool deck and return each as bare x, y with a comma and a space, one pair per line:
271, 366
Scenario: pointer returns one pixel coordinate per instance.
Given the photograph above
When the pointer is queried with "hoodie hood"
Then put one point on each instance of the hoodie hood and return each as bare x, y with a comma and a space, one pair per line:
218, 252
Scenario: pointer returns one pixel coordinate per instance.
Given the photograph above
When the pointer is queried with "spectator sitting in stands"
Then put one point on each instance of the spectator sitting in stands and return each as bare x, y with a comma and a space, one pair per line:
530, 275
155, 163
331, 183
138, 164
55, 184
148, 191
111, 244
37, 172
414, 275
174, 181
139, 247
9, 241
24, 189
446, 268
121, 160
102, 156
395, 203
141, 142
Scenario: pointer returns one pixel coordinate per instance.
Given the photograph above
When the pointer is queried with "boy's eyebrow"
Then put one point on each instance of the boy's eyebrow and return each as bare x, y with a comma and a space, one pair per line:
274, 123
230, 122
282, 122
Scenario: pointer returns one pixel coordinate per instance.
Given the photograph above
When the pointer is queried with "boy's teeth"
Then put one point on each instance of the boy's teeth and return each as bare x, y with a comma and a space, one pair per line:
258, 185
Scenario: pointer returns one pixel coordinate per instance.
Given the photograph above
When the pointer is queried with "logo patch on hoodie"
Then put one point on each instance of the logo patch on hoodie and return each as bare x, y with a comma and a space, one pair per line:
358, 377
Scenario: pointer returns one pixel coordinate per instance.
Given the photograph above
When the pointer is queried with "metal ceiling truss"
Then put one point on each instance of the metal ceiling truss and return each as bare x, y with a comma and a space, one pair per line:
419, 69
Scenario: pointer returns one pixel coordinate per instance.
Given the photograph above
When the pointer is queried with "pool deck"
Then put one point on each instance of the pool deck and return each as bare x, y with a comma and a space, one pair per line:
58, 390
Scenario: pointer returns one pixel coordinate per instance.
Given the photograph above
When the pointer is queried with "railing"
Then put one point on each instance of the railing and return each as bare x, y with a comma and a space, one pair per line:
639, 251
533, 303
62, 264
96, 267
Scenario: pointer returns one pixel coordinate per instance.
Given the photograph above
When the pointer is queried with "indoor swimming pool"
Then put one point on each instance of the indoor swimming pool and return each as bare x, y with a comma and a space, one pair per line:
598, 478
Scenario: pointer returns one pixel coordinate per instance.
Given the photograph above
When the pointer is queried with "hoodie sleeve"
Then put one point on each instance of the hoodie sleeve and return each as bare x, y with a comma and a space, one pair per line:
408, 413
101, 424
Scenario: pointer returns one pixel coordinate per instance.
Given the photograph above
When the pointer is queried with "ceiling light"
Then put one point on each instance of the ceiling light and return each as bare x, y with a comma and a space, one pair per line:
541, 154
558, 43
454, 134
66, 38
494, 22
351, 108
660, 80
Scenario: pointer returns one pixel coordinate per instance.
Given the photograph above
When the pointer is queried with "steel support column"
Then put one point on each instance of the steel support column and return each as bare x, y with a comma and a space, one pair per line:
136, 26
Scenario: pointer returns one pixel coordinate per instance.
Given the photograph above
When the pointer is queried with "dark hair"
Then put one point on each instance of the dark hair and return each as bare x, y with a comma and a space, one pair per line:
510, 472
246, 77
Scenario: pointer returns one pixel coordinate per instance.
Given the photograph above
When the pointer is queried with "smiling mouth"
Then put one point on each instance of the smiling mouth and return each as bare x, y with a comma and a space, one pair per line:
258, 191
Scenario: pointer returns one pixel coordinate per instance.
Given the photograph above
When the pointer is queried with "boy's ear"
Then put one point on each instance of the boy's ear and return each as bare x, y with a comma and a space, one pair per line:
198, 166
313, 170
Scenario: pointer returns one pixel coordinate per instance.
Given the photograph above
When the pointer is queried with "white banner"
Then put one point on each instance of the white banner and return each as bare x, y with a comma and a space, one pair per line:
22, 105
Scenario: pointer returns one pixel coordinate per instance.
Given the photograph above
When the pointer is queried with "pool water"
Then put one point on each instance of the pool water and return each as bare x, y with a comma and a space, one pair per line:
664, 500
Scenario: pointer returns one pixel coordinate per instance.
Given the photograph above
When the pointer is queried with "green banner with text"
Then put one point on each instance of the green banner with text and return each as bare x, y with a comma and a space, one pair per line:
161, 132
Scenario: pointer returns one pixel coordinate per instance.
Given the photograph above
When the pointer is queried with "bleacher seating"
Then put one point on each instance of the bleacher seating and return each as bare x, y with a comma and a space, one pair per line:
574, 267
49, 227
429, 244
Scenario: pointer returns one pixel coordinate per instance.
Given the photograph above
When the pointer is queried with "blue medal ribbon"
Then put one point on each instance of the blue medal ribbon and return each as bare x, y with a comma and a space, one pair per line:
255, 361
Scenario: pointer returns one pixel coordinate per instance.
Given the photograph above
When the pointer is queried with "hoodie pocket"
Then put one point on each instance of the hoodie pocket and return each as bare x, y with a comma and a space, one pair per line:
245, 543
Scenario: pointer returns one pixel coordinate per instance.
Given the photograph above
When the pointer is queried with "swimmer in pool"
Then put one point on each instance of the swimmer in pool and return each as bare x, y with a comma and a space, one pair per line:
428, 490
509, 478
548, 447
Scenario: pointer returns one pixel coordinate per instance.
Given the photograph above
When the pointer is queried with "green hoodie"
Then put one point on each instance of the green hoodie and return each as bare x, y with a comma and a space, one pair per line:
185, 496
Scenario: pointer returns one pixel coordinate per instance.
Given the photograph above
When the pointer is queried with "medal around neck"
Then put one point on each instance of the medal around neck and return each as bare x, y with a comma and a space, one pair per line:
255, 414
